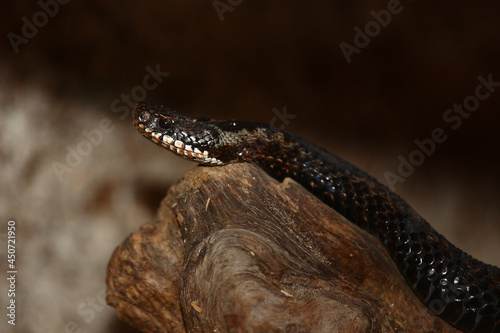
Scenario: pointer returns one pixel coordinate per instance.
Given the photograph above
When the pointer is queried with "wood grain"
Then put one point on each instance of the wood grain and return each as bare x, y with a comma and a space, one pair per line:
233, 250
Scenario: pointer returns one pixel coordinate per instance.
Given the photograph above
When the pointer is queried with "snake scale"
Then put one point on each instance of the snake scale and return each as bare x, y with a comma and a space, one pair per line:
463, 291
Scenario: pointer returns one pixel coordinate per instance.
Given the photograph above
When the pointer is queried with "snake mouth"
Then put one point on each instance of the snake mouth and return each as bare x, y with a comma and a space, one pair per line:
177, 146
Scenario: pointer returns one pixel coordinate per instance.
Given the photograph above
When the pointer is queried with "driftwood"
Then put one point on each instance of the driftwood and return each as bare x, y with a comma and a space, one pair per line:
231, 249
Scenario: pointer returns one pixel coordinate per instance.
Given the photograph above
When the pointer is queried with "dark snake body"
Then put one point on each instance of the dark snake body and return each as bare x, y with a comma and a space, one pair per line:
463, 291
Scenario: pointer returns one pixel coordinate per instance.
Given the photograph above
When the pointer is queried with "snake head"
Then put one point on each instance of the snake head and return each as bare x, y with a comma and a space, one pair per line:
192, 139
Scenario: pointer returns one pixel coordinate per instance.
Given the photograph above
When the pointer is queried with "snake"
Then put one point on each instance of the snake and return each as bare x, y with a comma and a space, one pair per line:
458, 288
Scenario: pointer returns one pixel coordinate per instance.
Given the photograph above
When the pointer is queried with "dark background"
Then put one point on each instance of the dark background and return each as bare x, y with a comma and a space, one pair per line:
261, 56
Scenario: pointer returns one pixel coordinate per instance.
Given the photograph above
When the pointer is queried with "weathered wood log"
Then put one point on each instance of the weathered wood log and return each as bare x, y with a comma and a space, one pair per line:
231, 249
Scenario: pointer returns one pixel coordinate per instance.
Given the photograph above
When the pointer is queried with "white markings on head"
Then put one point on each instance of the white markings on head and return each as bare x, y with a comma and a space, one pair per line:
180, 148
168, 139
156, 137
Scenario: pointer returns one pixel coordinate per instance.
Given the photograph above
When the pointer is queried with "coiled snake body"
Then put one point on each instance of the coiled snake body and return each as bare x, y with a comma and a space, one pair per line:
463, 291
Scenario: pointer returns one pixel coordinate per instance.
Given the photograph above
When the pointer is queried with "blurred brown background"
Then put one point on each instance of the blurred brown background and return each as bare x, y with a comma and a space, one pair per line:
260, 56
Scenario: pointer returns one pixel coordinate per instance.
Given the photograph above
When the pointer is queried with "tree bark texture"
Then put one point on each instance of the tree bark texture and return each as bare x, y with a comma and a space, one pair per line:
233, 250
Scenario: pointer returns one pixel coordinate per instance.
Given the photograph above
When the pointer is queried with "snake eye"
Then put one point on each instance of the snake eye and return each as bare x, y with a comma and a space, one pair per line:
165, 123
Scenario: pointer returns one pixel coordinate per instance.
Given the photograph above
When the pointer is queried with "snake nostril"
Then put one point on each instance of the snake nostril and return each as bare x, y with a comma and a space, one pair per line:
144, 116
